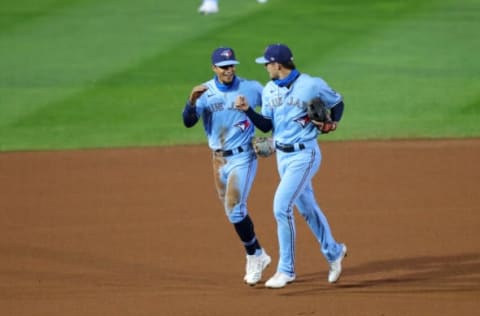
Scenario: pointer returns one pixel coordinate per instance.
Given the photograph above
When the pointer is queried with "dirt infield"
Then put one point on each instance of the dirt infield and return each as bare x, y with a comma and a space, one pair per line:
141, 232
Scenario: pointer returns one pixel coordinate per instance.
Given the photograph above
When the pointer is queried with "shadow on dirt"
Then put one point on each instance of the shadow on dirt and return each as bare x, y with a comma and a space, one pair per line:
456, 273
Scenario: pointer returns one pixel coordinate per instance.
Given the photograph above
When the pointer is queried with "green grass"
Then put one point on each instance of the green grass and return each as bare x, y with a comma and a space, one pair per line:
85, 73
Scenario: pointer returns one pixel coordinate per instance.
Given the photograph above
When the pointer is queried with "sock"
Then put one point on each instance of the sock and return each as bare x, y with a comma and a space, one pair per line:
246, 233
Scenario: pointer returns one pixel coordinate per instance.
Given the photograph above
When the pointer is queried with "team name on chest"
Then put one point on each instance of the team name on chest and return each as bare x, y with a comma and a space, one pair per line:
288, 101
220, 106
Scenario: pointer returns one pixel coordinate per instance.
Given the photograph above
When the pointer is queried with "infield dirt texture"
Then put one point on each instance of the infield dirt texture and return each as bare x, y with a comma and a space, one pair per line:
140, 232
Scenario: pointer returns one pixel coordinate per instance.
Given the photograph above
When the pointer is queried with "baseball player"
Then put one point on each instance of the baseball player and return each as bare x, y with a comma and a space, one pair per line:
211, 6
229, 132
284, 111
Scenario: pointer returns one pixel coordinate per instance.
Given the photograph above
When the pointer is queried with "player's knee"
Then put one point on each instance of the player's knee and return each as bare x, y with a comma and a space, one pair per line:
235, 209
281, 207
234, 216
231, 202
281, 212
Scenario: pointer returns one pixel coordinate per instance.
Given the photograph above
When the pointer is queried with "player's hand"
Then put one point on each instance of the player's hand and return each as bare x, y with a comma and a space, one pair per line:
326, 127
197, 91
241, 103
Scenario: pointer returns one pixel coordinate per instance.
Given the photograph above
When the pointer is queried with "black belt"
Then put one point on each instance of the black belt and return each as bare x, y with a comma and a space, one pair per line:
227, 153
289, 148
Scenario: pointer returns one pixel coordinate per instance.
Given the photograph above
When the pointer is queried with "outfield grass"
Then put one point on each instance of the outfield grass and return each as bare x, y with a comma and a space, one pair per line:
87, 73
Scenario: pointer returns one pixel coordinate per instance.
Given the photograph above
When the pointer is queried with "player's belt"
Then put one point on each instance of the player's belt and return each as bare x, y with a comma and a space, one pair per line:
289, 148
227, 153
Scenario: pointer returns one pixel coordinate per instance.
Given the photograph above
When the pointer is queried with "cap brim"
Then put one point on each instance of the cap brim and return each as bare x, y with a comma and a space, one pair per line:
261, 60
227, 63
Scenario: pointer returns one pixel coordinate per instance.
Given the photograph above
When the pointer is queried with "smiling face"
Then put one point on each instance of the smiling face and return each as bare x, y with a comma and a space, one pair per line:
225, 74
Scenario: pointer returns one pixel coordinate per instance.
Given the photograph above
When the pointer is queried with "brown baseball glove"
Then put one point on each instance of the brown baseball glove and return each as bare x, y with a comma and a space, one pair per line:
263, 146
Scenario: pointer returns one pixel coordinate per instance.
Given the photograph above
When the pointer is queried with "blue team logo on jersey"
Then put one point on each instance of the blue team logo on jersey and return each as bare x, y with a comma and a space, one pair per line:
303, 120
243, 125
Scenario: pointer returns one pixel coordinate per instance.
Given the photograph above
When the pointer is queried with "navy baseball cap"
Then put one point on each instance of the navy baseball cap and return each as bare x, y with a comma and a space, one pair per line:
224, 56
275, 53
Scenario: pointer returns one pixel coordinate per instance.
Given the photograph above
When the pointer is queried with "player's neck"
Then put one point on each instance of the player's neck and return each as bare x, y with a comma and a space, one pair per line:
286, 81
283, 73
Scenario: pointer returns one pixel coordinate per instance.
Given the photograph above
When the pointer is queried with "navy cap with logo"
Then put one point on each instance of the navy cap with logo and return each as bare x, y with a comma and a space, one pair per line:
224, 56
275, 53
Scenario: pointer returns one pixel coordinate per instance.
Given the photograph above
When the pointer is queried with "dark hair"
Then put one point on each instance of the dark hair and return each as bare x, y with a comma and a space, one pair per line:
289, 65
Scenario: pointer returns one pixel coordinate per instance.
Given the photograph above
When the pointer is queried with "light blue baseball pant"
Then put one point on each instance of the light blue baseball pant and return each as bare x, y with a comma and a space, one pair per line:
234, 178
296, 170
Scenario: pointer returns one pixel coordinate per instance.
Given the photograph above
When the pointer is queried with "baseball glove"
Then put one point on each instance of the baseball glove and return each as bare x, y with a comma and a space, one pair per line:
263, 146
317, 111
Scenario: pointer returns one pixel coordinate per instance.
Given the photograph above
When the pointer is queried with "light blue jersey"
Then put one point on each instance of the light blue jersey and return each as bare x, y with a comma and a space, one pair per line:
226, 127
287, 108
230, 132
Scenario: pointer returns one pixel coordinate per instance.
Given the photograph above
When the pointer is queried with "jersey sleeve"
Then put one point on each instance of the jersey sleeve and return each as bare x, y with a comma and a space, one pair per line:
257, 88
267, 109
201, 103
329, 96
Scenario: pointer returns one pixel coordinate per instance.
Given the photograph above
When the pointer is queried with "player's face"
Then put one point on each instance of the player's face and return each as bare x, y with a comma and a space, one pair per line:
225, 73
272, 69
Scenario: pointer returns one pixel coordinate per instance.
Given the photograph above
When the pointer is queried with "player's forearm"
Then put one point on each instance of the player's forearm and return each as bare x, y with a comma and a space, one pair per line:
336, 112
261, 122
189, 115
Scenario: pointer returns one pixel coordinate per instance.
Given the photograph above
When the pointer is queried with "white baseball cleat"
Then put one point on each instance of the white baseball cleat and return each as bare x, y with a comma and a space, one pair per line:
208, 7
255, 267
279, 280
336, 266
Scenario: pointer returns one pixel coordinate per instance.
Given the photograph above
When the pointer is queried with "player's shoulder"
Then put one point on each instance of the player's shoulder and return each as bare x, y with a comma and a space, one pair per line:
210, 84
248, 81
308, 77
270, 85
250, 84
312, 80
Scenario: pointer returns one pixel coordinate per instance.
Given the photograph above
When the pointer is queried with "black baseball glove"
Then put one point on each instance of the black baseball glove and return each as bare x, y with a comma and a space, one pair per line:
317, 111
320, 115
